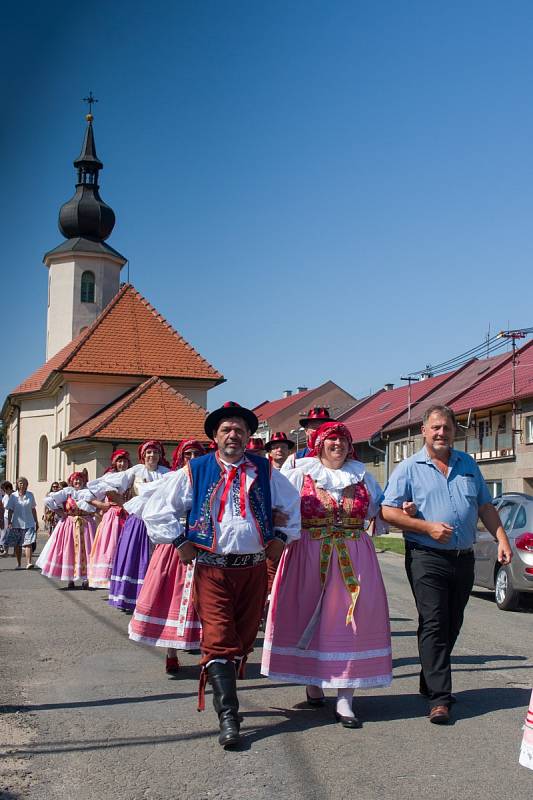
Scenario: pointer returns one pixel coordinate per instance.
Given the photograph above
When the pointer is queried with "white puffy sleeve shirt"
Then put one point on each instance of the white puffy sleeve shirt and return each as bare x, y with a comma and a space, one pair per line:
172, 499
56, 500
334, 481
135, 476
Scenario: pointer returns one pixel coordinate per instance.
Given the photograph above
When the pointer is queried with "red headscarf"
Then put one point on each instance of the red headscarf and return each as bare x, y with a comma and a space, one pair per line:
80, 475
156, 445
115, 457
329, 430
178, 456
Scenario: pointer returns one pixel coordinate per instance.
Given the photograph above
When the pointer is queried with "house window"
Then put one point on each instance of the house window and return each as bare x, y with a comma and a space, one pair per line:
403, 449
483, 428
87, 287
495, 488
43, 459
529, 429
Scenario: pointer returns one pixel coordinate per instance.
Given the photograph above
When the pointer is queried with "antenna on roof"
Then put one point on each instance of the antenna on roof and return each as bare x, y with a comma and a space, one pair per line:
410, 379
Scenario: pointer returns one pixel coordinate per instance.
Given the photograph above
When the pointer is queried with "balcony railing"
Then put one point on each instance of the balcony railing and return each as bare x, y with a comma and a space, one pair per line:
487, 448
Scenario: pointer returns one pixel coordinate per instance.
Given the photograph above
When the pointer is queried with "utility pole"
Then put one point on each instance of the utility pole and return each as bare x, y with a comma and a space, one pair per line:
410, 379
513, 336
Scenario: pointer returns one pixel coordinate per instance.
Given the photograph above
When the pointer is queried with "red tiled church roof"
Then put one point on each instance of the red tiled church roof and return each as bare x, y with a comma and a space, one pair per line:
129, 337
153, 410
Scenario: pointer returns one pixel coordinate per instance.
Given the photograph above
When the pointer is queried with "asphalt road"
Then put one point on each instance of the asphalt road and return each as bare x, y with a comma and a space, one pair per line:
87, 714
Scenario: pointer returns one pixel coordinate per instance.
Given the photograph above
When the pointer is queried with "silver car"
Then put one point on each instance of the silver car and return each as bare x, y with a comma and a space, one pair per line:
511, 580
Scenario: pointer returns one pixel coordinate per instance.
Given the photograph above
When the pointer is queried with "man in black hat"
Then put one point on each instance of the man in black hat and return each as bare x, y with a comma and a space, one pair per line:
278, 449
310, 422
229, 496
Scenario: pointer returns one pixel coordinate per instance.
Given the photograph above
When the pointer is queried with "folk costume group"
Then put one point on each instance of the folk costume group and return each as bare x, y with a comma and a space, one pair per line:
193, 552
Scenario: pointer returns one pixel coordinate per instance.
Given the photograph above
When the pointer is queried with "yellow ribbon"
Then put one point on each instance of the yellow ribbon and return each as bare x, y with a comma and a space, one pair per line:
80, 556
331, 540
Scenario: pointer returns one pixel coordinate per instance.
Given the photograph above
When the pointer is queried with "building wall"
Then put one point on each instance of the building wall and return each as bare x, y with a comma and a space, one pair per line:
197, 392
67, 315
87, 395
329, 395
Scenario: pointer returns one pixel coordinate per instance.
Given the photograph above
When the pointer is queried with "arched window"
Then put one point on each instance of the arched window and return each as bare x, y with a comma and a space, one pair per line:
87, 287
43, 458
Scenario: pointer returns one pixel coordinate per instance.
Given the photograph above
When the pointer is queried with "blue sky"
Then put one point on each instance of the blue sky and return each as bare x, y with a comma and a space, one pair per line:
306, 190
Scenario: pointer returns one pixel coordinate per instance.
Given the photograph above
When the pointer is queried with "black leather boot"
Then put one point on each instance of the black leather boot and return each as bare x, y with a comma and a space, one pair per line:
223, 682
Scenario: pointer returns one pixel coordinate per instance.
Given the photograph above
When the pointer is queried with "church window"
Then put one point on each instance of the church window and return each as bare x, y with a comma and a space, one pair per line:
43, 458
87, 287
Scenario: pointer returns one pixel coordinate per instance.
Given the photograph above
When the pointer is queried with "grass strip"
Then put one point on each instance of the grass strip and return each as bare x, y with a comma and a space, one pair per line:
393, 543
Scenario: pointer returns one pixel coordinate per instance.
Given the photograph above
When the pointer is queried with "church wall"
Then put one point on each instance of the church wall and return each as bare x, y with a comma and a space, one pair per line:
11, 448
35, 423
87, 397
59, 318
67, 314
198, 394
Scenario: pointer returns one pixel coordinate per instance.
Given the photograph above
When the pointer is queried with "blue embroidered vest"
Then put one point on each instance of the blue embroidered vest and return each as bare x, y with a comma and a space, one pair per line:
207, 476
302, 453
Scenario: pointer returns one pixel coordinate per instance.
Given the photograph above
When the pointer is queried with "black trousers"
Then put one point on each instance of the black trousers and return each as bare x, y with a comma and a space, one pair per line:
441, 583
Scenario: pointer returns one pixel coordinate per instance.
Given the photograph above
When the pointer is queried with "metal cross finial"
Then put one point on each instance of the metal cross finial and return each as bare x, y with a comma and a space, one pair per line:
90, 101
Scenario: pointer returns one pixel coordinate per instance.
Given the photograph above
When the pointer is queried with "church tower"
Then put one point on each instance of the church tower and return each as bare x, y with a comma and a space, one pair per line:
83, 271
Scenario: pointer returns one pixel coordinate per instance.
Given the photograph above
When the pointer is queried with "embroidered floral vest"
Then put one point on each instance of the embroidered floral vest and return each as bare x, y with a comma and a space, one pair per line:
320, 509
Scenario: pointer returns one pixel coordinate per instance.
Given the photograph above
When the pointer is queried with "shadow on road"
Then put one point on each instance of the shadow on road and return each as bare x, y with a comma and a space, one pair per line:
284, 720
474, 659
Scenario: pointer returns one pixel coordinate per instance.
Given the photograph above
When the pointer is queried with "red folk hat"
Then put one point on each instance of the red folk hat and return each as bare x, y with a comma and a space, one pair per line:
278, 438
254, 445
229, 409
320, 413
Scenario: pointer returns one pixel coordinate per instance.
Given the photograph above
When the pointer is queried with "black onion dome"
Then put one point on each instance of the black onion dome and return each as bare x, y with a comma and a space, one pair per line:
86, 215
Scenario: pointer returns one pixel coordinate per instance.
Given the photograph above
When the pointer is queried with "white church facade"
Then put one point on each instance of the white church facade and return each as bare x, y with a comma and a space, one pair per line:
116, 373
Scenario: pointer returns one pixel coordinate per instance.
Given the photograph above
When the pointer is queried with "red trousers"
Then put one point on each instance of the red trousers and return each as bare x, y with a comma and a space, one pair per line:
229, 602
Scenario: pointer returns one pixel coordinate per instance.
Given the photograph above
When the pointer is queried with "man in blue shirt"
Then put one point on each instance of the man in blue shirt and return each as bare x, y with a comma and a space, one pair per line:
450, 494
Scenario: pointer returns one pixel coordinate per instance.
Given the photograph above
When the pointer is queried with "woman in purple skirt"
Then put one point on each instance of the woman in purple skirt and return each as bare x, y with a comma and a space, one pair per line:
133, 552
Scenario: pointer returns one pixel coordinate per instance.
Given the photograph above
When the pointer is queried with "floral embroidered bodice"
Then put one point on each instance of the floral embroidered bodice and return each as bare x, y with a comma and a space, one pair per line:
320, 509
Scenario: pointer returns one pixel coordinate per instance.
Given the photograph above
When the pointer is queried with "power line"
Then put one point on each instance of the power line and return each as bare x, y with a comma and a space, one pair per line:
487, 347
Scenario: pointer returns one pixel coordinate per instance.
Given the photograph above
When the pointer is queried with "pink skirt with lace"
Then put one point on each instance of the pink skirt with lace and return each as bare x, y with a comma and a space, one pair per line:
65, 554
164, 615
331, 653
104, 547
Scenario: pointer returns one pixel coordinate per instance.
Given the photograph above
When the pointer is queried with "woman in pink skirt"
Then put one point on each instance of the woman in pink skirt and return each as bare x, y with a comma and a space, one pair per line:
110, 528
328, 623
65, 554
164, 615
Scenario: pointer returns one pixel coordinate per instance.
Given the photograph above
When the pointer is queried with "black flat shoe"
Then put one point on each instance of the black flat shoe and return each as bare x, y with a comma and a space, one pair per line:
315, 702
348, 722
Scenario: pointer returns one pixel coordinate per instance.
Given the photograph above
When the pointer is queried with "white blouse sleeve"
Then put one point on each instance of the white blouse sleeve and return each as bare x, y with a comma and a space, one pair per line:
138, 503
287, 498
113, 482
55, 500
374, 507
168, 500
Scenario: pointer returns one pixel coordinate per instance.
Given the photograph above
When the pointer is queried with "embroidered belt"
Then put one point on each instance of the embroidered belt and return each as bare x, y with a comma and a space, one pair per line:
230, 560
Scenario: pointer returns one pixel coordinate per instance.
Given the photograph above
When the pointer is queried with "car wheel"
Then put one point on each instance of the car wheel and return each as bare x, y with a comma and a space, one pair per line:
506, 597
